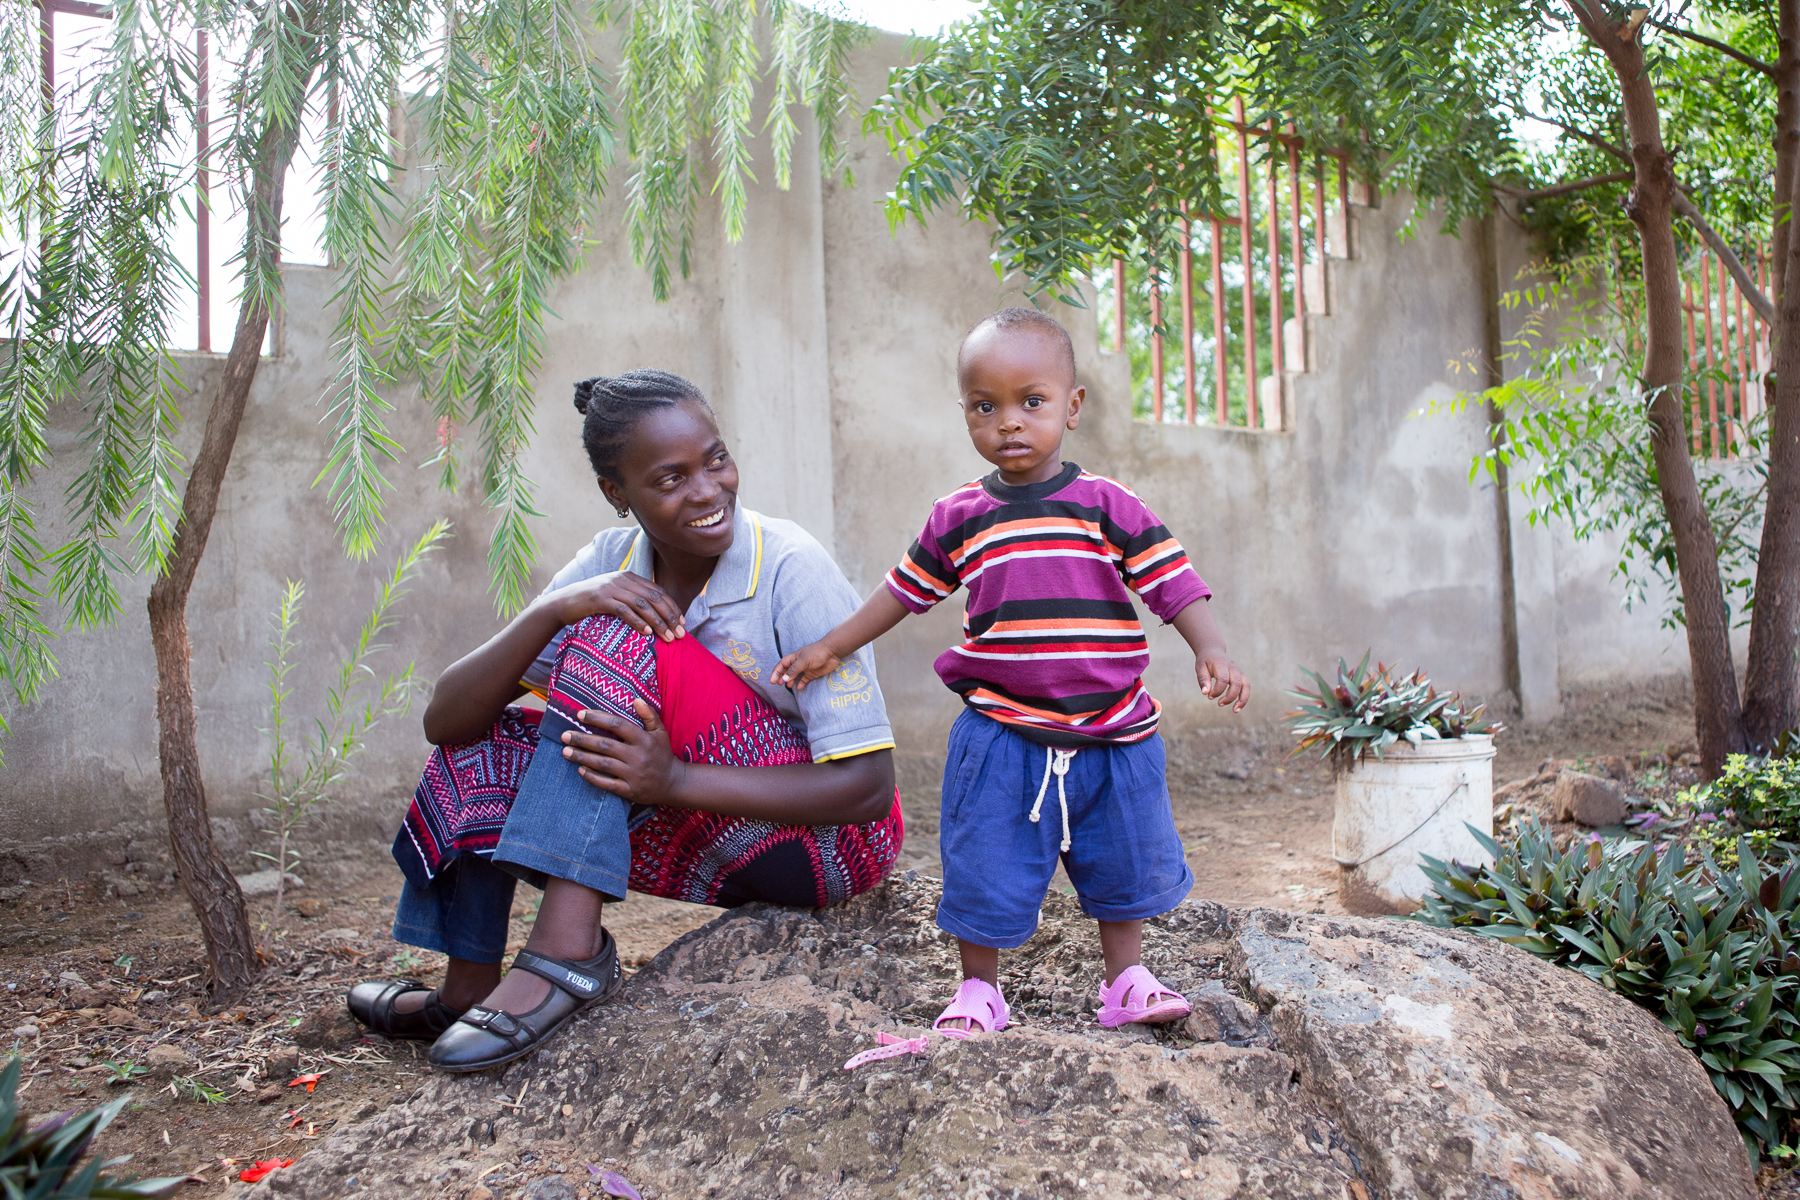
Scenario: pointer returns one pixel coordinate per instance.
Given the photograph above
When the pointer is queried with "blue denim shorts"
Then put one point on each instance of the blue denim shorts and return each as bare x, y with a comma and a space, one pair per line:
564, 827
1125, 858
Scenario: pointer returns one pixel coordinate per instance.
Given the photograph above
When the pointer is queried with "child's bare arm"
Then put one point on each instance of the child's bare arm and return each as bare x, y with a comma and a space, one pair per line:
1218, 675
878, 614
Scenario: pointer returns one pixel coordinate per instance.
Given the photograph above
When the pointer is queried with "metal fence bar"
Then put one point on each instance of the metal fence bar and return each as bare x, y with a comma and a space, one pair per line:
1343, 165
1277, 366
1712, 388
1319, 230
1687, 311
1156, 346
1221, 381
1245, 237
1727, 336
1187, 314
1119, 344
1743, 337
1297, 250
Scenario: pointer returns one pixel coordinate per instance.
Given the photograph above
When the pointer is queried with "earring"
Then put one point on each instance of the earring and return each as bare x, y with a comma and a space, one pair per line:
623, 512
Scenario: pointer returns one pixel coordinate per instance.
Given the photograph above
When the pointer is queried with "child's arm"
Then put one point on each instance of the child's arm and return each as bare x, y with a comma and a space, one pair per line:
878, 614
1213, 667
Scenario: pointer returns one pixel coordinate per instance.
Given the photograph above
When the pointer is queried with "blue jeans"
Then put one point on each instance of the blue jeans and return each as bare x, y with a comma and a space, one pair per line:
561, 825
564, 827
463, 913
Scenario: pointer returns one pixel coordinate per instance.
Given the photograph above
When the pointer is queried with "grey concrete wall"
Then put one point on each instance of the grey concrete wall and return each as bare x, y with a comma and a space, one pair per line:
828, 346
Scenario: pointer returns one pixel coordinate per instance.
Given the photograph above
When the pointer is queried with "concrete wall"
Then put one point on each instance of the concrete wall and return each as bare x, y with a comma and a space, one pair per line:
828, 347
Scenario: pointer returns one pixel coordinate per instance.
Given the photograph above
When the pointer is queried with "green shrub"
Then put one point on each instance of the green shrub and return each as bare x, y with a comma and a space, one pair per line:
1713, 952
41, 1162
1762, 793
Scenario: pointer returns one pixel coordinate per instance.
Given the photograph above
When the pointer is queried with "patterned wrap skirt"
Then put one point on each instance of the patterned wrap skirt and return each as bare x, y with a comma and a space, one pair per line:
711, 716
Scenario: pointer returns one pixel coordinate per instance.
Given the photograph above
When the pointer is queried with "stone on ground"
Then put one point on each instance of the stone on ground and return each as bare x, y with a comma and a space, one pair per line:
1370, 1058
1588, 799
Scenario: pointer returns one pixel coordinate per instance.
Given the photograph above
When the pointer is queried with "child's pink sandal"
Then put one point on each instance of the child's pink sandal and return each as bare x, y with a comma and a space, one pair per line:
1136, 998
980, 1004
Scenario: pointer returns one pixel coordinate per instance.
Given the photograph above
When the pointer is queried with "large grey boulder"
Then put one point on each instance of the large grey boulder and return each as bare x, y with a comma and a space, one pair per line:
1372, 1059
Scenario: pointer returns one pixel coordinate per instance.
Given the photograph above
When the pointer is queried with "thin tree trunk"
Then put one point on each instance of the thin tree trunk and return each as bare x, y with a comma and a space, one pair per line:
211, 889
1771, 677
1718, 720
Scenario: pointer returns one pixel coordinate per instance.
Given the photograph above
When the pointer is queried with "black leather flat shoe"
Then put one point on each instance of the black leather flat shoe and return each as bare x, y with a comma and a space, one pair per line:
483, 1038
373, 1004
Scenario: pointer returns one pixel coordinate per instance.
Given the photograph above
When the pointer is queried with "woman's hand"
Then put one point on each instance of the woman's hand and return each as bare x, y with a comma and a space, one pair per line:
804, 665
632, 763
631, 598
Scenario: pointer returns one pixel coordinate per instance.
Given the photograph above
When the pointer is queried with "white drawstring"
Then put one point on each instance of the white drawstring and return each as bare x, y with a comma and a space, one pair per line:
1056, 761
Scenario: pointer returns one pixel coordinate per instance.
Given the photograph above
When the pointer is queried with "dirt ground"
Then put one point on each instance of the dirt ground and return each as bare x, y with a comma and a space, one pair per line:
103, 997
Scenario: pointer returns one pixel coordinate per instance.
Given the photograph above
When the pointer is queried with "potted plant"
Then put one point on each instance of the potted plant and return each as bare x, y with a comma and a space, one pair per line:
1414, 771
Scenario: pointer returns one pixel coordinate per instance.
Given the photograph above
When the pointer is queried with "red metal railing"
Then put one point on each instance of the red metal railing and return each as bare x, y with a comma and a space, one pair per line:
1277, 218
1729, 355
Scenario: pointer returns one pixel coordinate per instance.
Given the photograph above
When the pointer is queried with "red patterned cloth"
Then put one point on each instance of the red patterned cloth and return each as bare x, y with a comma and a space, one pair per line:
711, 716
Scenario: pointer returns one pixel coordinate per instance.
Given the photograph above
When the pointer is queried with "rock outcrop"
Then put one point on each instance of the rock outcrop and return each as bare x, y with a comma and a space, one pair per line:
1359, 1059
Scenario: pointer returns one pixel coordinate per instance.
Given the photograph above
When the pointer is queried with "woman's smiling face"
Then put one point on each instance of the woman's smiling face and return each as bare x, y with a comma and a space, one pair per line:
679, 480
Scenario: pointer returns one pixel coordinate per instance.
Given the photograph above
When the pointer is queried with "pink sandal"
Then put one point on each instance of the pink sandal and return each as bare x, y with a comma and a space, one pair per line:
1136, 998
980, 1004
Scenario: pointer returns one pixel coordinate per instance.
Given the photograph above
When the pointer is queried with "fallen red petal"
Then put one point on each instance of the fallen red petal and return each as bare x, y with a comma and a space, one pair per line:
308, 1080
263, 1168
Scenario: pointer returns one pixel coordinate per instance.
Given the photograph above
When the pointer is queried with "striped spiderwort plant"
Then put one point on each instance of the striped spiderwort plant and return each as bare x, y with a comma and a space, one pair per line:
1713, 952
1365, 712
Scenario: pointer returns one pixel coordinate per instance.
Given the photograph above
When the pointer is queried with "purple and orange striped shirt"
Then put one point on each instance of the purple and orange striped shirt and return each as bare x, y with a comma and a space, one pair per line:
1052, 646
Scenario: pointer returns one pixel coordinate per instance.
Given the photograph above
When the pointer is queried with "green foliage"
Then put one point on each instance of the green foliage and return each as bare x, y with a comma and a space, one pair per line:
1714, 952
1053, 120
1367, 711
444, 270
44, 1162
1761, 793
200, 1093
354, 705
1574, 432
124, 1072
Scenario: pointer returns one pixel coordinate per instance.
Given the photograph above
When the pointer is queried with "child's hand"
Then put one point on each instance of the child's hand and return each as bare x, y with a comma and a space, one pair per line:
804, 665
1220, 677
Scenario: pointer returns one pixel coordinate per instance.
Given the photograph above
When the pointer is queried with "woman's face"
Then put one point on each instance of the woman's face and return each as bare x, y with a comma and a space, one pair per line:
679, 480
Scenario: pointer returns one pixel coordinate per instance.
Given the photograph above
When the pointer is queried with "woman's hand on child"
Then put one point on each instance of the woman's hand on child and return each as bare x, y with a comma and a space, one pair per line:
632, 762
1220, 677
804, 665
630, 597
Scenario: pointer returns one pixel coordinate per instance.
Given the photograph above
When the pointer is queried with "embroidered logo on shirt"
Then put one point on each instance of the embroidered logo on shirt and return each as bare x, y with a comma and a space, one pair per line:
851, 683
739, 658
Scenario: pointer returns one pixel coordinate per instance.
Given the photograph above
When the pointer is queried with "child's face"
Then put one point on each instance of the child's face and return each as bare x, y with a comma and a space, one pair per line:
1018, 396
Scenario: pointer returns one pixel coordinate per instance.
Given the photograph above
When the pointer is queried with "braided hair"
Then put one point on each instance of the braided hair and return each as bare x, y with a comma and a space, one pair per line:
614, 405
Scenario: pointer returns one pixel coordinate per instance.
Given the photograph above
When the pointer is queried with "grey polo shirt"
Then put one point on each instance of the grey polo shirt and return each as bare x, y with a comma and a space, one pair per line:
774, 590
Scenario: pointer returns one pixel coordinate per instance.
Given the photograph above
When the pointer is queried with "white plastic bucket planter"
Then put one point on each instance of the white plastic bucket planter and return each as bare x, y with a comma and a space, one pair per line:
1413, 800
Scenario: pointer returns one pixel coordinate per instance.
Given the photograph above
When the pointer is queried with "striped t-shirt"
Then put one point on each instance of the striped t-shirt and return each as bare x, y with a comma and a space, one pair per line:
1052, 646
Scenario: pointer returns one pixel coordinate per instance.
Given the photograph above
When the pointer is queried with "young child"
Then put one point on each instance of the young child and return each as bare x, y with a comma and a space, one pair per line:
1051, 672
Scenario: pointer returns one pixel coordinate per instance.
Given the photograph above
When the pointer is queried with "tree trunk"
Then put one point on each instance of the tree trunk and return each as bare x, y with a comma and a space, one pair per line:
218, 903
1718, 719
1771, 676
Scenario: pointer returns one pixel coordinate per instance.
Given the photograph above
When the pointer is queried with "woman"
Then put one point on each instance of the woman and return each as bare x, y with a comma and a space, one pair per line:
666, 757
